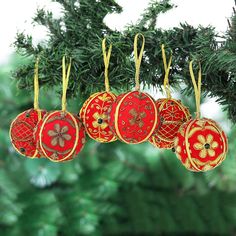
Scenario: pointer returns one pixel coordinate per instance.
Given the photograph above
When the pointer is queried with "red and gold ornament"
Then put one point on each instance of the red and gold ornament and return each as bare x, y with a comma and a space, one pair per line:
60, 135
172, 114
94, 112
201, 144
23, 126
133, 116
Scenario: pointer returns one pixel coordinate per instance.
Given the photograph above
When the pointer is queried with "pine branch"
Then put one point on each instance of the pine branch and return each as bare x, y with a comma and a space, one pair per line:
79, 34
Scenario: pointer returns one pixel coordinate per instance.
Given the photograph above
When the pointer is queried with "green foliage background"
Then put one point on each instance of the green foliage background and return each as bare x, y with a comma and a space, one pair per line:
110, 189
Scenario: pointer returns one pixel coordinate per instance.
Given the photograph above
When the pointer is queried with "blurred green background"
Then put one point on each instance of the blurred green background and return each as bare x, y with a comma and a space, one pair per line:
110, 189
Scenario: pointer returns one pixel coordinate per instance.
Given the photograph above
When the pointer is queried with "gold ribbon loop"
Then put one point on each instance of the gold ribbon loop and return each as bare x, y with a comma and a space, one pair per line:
65, 80
197, 87
138, 58
106, 58
36, 85
167, 71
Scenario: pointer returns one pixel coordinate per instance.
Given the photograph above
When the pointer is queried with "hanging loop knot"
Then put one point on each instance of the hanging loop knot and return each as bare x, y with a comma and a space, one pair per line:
167, 71
106, 58
65, 80
197, 87
138, 58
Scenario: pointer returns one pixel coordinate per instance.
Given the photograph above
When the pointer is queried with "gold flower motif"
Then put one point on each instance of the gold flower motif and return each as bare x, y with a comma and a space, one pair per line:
206, 146
137, 118
99, 120
104, 97
59, 135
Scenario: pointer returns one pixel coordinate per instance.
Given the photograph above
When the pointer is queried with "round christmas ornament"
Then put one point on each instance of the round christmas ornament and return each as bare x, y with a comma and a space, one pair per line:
201, 144
60, 135
23, 126
133, 116
94, 112
172, 113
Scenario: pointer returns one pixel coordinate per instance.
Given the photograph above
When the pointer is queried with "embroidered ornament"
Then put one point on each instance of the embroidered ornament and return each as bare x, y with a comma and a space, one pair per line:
133, 116
22, 132
172, 114
94, 112
23, 126
201, 144
60, 135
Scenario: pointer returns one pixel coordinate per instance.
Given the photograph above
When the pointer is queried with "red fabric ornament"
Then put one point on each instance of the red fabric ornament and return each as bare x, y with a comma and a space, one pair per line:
22, 132
201, 145
60, 136
133, 117
172, 115
95, 118
94, 111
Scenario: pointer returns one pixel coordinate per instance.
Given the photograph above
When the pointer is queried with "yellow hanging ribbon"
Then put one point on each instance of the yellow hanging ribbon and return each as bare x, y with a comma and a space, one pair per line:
197, 87
138, 59
65, 80
167, 71
106, 58
36, 85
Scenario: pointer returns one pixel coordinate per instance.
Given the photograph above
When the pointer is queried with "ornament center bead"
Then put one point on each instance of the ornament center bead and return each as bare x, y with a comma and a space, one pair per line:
100, 121
207, 146
22, 150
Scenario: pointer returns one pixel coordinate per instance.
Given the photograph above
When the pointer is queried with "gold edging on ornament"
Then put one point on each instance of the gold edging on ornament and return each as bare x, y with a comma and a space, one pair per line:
76, 136
85, 110
39, 119
188, 144
167, 146
117, 112
225, 143
116, 118
86, 103
36, 151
